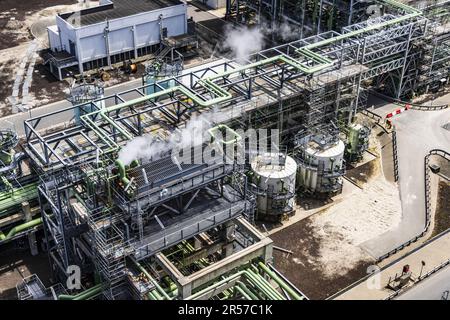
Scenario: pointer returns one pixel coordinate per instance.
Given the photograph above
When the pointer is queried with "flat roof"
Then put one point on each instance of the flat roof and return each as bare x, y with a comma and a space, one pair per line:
115, 10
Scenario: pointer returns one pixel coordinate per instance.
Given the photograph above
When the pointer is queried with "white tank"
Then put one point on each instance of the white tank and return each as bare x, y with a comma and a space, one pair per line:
275, 184
321, 165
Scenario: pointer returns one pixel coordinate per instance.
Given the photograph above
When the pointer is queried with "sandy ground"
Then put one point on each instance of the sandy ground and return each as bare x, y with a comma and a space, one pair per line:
345, 226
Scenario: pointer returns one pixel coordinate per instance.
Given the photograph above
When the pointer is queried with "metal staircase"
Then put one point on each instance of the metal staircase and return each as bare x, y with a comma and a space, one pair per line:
109, 252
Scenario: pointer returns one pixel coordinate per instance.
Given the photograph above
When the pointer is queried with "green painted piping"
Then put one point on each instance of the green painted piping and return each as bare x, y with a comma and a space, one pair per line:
149, 277
279, 281
89, 293
227, 128
247, 290
122, 172
273, 294
20, 228
12, 198
411, 13
242, 292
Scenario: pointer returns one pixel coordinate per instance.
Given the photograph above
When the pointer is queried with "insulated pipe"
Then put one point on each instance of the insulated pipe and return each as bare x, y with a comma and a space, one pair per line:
215, 285
20, 228
91, 294
122, 172
256, 280
411, 13
149, 277
279, 281
88, 293
247, 290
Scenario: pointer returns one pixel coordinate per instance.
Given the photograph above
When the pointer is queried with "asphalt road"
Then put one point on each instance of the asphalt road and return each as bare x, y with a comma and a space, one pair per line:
417, 133
436, 287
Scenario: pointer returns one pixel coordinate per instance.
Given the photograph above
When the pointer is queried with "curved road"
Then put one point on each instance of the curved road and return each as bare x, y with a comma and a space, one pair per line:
417, 133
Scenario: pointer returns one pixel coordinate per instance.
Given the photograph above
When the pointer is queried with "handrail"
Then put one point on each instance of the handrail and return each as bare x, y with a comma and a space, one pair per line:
415, 106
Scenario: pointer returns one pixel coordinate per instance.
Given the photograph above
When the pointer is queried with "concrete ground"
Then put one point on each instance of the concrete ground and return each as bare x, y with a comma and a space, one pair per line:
374, 287
436, 287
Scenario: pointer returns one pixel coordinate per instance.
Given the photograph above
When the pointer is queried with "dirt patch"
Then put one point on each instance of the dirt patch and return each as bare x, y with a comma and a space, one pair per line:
13, 26
6, 69
442, 215
360, 175
17, 263
302, 267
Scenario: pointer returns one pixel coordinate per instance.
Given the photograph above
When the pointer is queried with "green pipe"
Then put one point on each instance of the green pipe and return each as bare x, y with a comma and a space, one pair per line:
157, 295
222, 95
12, 198
411, 13
242, 292
258, 281
20, 228
89, 293
247, 290
269, 290
149, 277
192, 249
122, 172
215, 285
279, 281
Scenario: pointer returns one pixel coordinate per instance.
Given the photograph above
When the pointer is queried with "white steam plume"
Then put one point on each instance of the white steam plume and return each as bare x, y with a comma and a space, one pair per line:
287, 32
244, 41
147, 147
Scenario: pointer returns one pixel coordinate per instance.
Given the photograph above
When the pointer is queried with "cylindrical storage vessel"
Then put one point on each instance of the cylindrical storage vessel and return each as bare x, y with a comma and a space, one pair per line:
274, 183
357, 141
321, 164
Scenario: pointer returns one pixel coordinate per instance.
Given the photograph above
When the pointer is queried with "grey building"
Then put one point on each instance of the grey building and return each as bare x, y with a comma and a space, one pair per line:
114, 31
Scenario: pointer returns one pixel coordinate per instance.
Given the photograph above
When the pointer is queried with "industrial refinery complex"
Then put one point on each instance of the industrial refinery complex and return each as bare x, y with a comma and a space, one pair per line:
225, 150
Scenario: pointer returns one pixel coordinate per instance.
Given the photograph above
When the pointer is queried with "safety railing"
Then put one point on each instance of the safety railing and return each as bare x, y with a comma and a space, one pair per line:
415, 106
419, 279
395, 153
